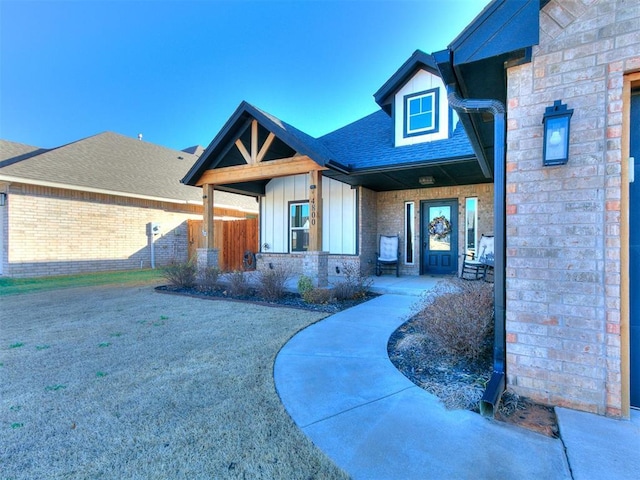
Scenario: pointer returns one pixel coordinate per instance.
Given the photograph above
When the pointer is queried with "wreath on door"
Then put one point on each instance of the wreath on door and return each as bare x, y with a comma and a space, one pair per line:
439, 227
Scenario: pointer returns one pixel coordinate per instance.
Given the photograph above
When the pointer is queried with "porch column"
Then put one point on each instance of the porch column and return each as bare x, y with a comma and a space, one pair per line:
315, 211
208, 256
316, 262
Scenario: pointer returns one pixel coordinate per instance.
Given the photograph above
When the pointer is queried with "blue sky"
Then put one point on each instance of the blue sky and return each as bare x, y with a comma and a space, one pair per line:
176, 70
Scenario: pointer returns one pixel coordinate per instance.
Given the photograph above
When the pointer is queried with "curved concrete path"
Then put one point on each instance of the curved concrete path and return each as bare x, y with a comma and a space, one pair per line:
336, 381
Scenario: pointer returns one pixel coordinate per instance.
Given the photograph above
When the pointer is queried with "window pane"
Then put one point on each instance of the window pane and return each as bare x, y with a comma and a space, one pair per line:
440, 228
408, 232
427, 104
471, 224
414, 106
421, 121
299, 240
300, 216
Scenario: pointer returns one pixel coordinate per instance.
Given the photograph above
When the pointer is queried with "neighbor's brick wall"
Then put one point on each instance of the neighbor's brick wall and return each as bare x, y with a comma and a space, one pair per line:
59, 232
563, 223
390, 208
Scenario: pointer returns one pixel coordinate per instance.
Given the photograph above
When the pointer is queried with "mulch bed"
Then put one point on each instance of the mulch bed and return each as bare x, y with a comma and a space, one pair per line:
290, 300
460, 384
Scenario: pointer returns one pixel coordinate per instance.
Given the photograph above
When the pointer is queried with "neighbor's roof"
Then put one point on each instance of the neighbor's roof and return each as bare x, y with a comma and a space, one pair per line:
112, 164
14, 152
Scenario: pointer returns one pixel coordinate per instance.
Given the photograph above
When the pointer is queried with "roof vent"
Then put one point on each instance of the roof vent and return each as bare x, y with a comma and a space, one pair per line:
140, 136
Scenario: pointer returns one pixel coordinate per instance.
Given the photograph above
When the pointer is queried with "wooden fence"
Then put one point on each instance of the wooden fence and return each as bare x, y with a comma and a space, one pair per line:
231, 237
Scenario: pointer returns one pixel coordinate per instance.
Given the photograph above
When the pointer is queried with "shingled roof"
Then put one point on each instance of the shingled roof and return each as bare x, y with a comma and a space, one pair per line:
109, 163
367, 144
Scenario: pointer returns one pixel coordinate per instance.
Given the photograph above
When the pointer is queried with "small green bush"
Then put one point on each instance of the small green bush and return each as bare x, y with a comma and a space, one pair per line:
272, 282
238, 284
355, 283
457, 315
182, 275
305, 284
209, 279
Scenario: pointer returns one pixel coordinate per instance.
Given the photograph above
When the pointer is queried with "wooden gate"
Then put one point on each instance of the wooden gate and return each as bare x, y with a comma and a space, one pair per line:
232, 238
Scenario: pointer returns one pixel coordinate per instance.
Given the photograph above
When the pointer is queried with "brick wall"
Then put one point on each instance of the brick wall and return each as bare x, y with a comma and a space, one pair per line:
59, 232
563, 223
368, 229
390, 208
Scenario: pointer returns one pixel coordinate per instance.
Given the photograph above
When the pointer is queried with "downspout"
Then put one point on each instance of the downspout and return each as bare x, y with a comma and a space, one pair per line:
496, 385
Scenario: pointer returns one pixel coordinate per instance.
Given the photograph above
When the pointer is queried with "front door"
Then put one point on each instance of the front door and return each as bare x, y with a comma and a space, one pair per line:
634, 252
439, 233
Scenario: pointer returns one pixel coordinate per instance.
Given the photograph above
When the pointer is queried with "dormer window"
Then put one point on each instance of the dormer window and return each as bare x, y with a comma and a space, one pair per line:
421, 113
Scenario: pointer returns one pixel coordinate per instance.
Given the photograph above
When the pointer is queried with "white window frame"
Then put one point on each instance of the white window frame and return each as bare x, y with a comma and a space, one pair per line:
408, 99
470, 218
409, 233
302, 228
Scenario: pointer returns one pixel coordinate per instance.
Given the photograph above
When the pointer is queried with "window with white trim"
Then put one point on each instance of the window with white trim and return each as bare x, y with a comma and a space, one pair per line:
471, 224
421, 113
299, 226
409, 229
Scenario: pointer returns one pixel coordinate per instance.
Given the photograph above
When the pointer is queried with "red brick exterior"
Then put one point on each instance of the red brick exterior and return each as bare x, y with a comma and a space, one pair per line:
563, 223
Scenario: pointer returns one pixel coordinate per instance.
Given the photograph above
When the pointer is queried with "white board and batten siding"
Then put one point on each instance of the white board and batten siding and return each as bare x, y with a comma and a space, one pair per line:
339, 214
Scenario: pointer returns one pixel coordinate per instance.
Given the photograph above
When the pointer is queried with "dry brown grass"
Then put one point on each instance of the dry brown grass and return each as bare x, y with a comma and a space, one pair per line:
116, 382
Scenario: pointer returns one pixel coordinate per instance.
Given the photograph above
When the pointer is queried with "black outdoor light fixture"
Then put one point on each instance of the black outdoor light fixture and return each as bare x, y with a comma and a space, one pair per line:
556, 120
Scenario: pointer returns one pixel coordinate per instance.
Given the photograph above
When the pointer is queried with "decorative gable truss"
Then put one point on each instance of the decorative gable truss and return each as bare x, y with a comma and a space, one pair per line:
256, 168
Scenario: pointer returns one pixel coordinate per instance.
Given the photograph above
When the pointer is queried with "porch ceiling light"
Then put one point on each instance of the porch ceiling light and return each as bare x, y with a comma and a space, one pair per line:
428, 180
556, 120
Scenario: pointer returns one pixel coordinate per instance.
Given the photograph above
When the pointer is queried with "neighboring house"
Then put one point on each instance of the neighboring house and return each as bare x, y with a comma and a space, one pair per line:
567, 236
87, 206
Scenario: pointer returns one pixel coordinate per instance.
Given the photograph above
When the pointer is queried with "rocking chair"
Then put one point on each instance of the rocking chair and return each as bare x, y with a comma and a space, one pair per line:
389, 254
479, 265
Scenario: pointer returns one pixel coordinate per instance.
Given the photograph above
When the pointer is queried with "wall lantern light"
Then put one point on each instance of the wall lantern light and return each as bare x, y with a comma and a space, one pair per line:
556, 120
3, 199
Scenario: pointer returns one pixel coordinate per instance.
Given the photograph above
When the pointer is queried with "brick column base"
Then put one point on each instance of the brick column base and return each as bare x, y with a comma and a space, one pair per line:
316, 265
207, 257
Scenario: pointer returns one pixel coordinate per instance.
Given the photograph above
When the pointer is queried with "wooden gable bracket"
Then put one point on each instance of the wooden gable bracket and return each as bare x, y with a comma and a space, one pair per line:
284, 167
256, 156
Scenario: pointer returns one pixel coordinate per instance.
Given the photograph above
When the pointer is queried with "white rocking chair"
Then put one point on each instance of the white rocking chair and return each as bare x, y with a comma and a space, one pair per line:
389, 254
479, 265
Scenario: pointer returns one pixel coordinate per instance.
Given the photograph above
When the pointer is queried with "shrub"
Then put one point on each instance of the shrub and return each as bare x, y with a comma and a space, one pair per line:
318, 296
272, 282
458, 317
209, 278
354, 285
182, 275
305, 284
237, 284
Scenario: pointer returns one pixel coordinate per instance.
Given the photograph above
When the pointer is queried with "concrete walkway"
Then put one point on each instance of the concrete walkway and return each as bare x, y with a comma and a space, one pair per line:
336, 381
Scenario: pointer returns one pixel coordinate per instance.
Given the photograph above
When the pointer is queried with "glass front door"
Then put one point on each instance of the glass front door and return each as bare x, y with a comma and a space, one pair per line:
439, 224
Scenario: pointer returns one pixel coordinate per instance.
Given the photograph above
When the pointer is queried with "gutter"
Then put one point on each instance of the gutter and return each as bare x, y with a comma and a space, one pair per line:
496, 385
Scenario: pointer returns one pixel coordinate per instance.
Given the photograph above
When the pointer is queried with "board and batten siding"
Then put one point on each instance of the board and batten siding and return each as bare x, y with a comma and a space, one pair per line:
339, 214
